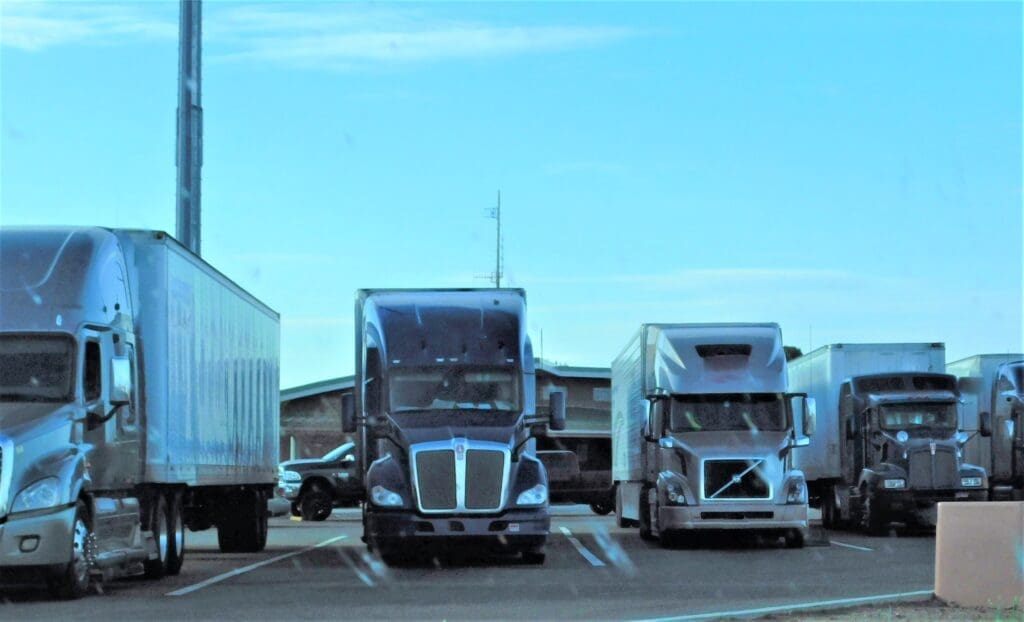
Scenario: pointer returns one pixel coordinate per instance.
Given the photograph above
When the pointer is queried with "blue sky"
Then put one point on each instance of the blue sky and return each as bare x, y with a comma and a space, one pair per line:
853, 172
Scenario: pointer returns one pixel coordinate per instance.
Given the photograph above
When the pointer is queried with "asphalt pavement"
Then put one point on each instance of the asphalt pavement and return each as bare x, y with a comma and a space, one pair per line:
593, 571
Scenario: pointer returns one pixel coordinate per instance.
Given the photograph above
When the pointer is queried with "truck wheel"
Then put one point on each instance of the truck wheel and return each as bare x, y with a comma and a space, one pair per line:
645, 516
296, 512
316, 505
794, 539
158, 524
176, 529
828, 508
246, 530
601, 509
534, 557
72, 581
874, 523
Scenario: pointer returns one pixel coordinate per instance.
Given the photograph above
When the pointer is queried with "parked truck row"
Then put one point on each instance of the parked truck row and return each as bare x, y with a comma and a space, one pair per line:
139, 397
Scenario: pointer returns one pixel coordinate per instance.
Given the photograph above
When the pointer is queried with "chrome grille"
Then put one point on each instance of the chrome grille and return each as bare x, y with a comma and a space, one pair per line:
460, 476
928, 471
735, 479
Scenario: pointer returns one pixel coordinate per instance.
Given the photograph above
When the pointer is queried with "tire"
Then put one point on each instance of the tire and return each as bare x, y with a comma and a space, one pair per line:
534, 557
828, 508
601, 509
176, 530
646, 532
159, 522
246, 530
296, 512
794, 539
316, 505
72, 581
874, 523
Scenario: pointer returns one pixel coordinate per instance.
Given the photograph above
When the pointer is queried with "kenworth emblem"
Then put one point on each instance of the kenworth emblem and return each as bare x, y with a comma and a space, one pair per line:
460, 451
932, 446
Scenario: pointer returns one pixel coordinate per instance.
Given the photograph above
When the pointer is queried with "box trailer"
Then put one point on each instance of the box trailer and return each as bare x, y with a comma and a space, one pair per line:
994, 384
887, 443
703, 432
138, 396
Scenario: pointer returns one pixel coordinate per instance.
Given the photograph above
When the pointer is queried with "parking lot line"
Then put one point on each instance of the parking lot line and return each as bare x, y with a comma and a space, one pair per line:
587, 555
821, 604
851, 546
244, 569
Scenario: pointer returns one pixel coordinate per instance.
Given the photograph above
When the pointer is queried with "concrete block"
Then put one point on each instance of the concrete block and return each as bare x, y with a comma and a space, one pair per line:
979, 554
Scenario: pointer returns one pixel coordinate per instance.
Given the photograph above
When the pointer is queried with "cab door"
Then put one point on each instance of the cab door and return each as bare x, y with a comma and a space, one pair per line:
111, 432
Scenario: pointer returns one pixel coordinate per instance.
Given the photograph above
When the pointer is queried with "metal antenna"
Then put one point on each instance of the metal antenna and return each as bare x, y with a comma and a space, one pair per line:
189, 147
495, 277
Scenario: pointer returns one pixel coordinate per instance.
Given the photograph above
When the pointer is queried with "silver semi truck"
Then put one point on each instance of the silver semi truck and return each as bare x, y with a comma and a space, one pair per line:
888, 445
992, 389
138, 396
703, 432
445, 409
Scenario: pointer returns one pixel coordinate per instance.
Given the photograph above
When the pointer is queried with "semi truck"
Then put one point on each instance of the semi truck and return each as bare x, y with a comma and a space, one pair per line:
992, 388
704, 430
138, 397
445, 408
888, 445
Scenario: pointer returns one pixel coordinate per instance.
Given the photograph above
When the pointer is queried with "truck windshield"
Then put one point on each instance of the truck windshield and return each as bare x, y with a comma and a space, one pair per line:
908, 416
453, 388
35, 368
727, 412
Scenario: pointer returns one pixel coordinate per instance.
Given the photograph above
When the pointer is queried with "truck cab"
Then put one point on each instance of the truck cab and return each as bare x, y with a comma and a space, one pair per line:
445, 409
1005, 424
901, 451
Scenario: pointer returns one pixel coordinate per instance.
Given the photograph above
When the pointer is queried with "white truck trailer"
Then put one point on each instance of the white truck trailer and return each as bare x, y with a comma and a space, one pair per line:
703, 432
887, 442
138, 396
994, 384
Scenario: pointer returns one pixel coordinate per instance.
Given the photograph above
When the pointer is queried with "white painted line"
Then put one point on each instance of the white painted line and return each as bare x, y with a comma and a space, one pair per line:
821, 604
851, 546
587, 555
365, 578
244, 569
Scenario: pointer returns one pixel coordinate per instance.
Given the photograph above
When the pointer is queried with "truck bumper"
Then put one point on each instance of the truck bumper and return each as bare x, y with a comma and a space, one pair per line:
40, 539
517, 529
922, 503
748, 517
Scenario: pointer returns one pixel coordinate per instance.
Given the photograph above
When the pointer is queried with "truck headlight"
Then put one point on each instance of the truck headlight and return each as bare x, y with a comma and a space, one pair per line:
894, 484
970, 482
290, 476
38, 496
538, 495
675, 495
796, 492
386, 498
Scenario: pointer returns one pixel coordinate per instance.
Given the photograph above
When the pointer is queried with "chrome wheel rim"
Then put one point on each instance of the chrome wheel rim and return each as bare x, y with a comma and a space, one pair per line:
179, 535
79, 559
161, 537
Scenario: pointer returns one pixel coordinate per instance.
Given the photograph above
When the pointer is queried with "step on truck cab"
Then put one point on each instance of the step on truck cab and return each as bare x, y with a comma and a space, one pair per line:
445, 409
703, 432
992, 389
138, 397
889, 444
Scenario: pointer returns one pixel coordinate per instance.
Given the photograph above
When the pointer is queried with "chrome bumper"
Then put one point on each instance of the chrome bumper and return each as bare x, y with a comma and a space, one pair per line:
689, 517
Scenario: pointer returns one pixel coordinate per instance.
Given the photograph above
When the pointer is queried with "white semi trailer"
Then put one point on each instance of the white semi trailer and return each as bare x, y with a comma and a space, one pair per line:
992, 390
703, 432
138, 396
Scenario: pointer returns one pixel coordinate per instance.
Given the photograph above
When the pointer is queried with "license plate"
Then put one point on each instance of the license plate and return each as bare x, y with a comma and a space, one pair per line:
513, 527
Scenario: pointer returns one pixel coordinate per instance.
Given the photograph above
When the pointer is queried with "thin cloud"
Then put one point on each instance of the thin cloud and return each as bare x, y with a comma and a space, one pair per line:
32, 26
714, 276
313, 36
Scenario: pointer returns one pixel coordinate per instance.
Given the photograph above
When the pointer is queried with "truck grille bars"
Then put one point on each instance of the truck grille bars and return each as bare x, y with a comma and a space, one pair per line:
735, 479
460, 476
932, 469
6, 454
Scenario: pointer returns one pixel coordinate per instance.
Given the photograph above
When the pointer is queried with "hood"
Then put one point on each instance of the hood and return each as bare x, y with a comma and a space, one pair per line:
732, 443
304, 462
494, 434
19, 419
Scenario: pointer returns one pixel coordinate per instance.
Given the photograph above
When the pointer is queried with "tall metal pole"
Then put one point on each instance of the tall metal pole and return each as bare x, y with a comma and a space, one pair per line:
497, 260
189, 157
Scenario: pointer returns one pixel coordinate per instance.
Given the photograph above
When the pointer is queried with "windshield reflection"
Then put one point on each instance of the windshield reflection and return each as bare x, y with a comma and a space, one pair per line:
36, 368
456, 388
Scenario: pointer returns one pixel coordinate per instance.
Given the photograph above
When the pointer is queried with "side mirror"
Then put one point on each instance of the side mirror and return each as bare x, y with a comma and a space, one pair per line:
348, 413
851, 432
655, 420
348, 459
810, 417
985, 423
120, 381
556, 400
